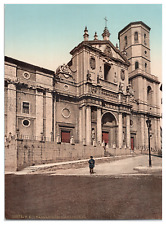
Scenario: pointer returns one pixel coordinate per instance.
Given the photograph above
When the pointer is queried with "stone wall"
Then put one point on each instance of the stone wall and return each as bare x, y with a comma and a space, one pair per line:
36, 152
10, 155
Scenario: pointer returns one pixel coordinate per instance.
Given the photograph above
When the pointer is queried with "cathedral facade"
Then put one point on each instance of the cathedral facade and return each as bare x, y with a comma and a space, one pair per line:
102, 97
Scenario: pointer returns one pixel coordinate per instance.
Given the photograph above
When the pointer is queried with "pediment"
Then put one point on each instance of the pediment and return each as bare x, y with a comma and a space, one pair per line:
109, 50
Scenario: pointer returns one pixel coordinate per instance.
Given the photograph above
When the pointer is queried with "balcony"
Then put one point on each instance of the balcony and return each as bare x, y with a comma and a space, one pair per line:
141, 72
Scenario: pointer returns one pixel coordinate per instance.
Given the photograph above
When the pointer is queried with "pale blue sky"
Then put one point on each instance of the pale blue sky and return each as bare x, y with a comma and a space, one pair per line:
45, 34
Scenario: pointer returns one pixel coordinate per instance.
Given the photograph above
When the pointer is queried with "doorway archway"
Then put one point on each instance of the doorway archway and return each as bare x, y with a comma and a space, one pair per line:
109, 129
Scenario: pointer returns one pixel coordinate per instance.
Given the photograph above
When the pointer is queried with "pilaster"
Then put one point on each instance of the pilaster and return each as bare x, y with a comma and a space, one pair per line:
48, 115
80, 125
88, 125
39, 113
120, 128
142, 131
99, 128
128, 130
11, 110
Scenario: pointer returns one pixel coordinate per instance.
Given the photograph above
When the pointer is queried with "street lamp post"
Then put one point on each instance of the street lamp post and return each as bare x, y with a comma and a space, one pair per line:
148, 122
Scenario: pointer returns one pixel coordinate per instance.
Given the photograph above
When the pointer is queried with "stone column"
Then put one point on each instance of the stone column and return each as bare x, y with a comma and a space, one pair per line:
88, 125
128, 131
48, 115
84, 125
11, 110
142, 133
120, 126
80, 125
39, 114
99, 128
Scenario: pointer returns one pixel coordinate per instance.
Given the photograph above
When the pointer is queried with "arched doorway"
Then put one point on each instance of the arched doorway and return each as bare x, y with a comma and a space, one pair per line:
109, 129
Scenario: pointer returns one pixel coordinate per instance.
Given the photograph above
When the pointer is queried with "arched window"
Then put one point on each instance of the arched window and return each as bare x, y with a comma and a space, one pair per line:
125, 40
149, 95
136, 65
145, 66
136, 37
145, 39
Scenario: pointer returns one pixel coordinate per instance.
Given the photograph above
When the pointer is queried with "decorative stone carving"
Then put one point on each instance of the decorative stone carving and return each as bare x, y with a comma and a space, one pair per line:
115, 78
66, 113
108, 51
26, 75
89, 76
65, 70
72, 140
120, 87
93, 134
58, 140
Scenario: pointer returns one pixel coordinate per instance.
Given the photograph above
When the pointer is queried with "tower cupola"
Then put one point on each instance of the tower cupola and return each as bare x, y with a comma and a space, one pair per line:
106, 33
95, 36
86, 35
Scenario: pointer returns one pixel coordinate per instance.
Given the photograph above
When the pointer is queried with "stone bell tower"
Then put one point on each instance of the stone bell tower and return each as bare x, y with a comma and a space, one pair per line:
135, 40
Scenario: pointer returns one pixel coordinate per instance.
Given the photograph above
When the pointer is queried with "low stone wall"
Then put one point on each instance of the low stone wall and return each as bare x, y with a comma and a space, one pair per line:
36, 152
22, 153
10, 155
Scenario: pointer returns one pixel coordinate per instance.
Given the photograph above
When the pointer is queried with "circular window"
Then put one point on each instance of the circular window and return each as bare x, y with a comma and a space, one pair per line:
92, 63
122, 74
26, 123
26, 75
66, 113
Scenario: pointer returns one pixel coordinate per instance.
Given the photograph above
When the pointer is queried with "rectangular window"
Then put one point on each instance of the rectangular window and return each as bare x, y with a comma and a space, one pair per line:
25, 107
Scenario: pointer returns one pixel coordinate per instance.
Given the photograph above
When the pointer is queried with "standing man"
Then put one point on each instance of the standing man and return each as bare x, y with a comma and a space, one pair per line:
91, 164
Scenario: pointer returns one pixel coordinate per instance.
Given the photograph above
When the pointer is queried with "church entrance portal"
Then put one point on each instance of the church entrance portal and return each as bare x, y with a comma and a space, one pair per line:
109, 129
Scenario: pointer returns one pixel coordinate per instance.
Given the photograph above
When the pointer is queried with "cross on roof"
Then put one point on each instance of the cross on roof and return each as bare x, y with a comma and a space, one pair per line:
105, 21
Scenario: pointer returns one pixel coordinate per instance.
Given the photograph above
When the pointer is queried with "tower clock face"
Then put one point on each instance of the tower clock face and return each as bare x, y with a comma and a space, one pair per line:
92, 63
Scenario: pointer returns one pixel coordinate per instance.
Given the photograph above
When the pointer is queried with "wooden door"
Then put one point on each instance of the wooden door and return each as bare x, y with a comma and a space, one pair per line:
105, 137
132, 143
65, 136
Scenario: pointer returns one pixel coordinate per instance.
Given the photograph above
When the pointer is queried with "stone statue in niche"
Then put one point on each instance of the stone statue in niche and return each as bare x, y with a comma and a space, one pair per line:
88, 76
93, 134
121, 87
115, 78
